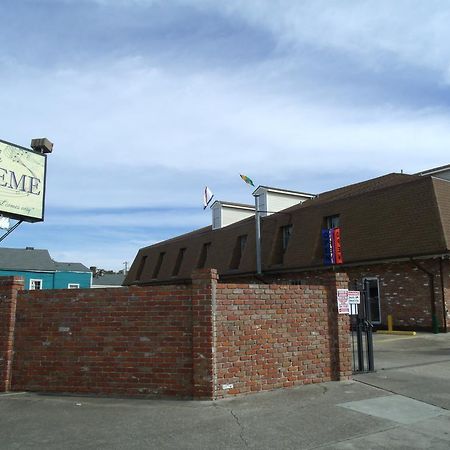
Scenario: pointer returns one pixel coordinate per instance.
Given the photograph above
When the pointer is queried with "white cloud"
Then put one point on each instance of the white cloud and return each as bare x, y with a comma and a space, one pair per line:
123, 219
411, 31
138, 131
135, 135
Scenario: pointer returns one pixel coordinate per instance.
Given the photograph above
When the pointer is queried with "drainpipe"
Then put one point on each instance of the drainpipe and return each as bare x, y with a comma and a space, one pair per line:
434, 321
444, 306
258, 236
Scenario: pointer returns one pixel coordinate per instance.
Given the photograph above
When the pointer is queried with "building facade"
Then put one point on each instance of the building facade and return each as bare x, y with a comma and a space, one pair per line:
391, 233
40, 271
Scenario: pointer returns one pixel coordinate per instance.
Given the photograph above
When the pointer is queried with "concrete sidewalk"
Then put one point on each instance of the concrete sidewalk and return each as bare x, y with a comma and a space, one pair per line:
414, 366
404, 405
332, 416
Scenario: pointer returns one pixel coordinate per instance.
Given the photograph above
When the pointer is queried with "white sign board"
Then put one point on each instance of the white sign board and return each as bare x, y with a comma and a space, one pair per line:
22, 183
342, 301
354, 297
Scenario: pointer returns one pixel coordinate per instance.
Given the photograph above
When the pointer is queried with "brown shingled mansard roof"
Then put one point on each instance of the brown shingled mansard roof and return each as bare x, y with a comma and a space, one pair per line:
389, 217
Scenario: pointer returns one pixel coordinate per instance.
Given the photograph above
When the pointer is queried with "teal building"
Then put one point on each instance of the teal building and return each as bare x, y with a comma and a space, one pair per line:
40, 271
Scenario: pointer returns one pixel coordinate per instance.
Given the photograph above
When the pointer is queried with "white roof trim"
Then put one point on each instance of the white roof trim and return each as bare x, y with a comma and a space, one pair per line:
233, 205
435, 170
282, 191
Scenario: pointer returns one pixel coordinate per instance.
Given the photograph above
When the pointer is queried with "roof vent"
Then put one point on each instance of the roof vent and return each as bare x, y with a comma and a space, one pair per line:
29, 248
226, 213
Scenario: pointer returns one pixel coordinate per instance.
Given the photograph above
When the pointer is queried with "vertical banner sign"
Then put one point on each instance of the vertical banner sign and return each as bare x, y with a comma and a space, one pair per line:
331, 244
327, 247
342, 301
337, 246
22, 183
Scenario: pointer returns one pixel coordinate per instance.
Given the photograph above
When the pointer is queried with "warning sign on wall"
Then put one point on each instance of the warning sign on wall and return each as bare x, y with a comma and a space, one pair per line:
342, 301
354, 297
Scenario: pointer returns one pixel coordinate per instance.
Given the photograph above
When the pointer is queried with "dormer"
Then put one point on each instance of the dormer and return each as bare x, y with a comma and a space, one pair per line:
442, 172
226, 213
272, 200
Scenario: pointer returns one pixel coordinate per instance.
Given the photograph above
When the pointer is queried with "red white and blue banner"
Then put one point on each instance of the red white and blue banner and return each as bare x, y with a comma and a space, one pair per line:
331, 243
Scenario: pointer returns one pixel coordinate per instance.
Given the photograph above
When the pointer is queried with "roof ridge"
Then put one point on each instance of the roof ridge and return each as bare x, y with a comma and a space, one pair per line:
320, 200
359, 183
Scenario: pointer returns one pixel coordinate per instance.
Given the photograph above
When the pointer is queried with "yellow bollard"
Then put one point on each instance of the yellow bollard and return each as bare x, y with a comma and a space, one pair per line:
389, 320
390, 329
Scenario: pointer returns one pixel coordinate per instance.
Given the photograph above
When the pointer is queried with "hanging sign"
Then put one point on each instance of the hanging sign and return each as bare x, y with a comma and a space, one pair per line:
331, 245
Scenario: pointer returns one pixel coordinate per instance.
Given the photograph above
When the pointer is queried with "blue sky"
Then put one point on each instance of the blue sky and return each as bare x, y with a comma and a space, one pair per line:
148, 101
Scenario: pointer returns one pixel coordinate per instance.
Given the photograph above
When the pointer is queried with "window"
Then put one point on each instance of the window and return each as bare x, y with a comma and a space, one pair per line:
178, 262
203, 255
372, 288
286, 235
332, 221
141, 268
35, 285
238, 251
281, 243
158, 265
73, 286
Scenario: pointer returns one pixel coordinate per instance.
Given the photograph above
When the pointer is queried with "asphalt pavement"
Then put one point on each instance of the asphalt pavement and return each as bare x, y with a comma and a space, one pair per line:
404, 405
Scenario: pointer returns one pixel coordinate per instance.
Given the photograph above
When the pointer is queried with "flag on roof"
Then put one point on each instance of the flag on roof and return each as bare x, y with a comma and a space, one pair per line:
207, 197
247, 180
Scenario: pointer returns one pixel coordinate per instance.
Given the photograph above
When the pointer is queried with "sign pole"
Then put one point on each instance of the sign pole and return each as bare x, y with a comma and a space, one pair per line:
10, 230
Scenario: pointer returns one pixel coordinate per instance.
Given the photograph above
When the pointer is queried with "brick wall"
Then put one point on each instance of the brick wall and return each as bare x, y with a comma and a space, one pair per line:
182, 340
9, 287
446, 290
273, 336
131, 341
404, 290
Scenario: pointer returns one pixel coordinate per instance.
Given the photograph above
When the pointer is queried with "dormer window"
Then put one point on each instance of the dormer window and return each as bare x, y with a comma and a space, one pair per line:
281, 244
158, 265
203, 255
238, 251
141, 267
178, 262
286, 235
332, 222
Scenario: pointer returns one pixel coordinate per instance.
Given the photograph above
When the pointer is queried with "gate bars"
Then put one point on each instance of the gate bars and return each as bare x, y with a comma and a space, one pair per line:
361, 333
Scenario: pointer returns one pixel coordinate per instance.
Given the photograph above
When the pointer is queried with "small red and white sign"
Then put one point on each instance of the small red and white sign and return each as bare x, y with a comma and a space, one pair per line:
342, 301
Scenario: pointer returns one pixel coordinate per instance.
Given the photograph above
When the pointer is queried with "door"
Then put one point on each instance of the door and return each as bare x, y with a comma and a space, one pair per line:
373, 300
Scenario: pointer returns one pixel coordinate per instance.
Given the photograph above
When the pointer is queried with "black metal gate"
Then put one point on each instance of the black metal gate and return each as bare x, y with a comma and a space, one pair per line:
361, 332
